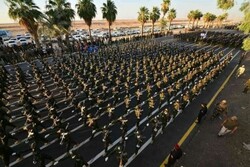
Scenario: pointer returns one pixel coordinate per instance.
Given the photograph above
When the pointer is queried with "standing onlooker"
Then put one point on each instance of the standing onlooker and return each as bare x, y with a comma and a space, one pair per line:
247, 84
202, 112
175, 154
240, 71
230, 125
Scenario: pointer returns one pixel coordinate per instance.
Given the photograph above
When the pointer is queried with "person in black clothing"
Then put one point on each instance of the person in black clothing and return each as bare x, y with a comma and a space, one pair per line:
38, 156
106, 138
65, 138
174, 155
6, 152
202, 112
5, 136
78, 158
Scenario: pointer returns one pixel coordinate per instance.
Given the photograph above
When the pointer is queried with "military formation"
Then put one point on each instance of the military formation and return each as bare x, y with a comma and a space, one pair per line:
216, 38
122, 86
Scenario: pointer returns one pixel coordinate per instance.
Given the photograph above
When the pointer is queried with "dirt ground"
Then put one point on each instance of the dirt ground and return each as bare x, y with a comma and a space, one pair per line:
15, 28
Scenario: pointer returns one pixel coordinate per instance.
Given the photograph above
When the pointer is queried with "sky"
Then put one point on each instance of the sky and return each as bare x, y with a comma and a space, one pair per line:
128, 9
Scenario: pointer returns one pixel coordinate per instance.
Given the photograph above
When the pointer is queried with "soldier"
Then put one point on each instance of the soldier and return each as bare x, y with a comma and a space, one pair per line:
149, 90
110, 112
165, 81
123, 127
165, 117
155, 127
151, 105
92, 122
177, 108
162, 97
170, 92
39, 157
106, 138
138, 113
121, 155
115, 95
127, 103
83, 113
138, 140
185, 100
79, 160
65, 138
138, 94
5, 136
158, 86
202, 112
5, 153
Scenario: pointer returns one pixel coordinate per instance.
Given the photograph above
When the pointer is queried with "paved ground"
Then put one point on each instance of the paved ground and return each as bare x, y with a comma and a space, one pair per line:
205, 149
151, 155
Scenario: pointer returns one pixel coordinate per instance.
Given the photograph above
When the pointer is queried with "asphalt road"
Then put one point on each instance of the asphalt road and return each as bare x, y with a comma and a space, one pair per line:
150, 155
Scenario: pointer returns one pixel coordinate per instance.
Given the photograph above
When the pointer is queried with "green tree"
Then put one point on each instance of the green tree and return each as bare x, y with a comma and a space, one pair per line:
245, 25
28, 14
163, 24
190, 17
109, 12
86, 10
212, 19
198, 15
154, 16
143, 16
59, 17
209, 19
221, 18
165, 7
171, 16
225, 4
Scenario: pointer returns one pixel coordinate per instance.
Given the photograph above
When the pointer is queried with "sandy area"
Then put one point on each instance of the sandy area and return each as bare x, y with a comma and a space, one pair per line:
15, 28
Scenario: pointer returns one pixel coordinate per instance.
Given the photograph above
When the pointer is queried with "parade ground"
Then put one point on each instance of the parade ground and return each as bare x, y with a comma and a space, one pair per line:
200, 143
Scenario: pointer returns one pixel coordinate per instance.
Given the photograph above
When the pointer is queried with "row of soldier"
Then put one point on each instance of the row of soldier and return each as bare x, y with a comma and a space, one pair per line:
150, 69
212, 37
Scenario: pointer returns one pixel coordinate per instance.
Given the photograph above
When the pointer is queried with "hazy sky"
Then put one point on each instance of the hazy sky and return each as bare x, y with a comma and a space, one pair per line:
128, 9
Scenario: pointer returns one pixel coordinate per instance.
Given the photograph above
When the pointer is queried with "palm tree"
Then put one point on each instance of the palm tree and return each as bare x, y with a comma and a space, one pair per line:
28, 15
225, 4
191, 17
209, 18
212, 19
221, 18
86, 9
60, 16
206, 19
165, 7
198, 16
163, 24
171, 16
109, 12
154, 16
143, 17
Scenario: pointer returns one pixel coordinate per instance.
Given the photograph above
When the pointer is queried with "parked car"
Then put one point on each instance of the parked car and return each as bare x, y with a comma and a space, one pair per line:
23, 41
11, 43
